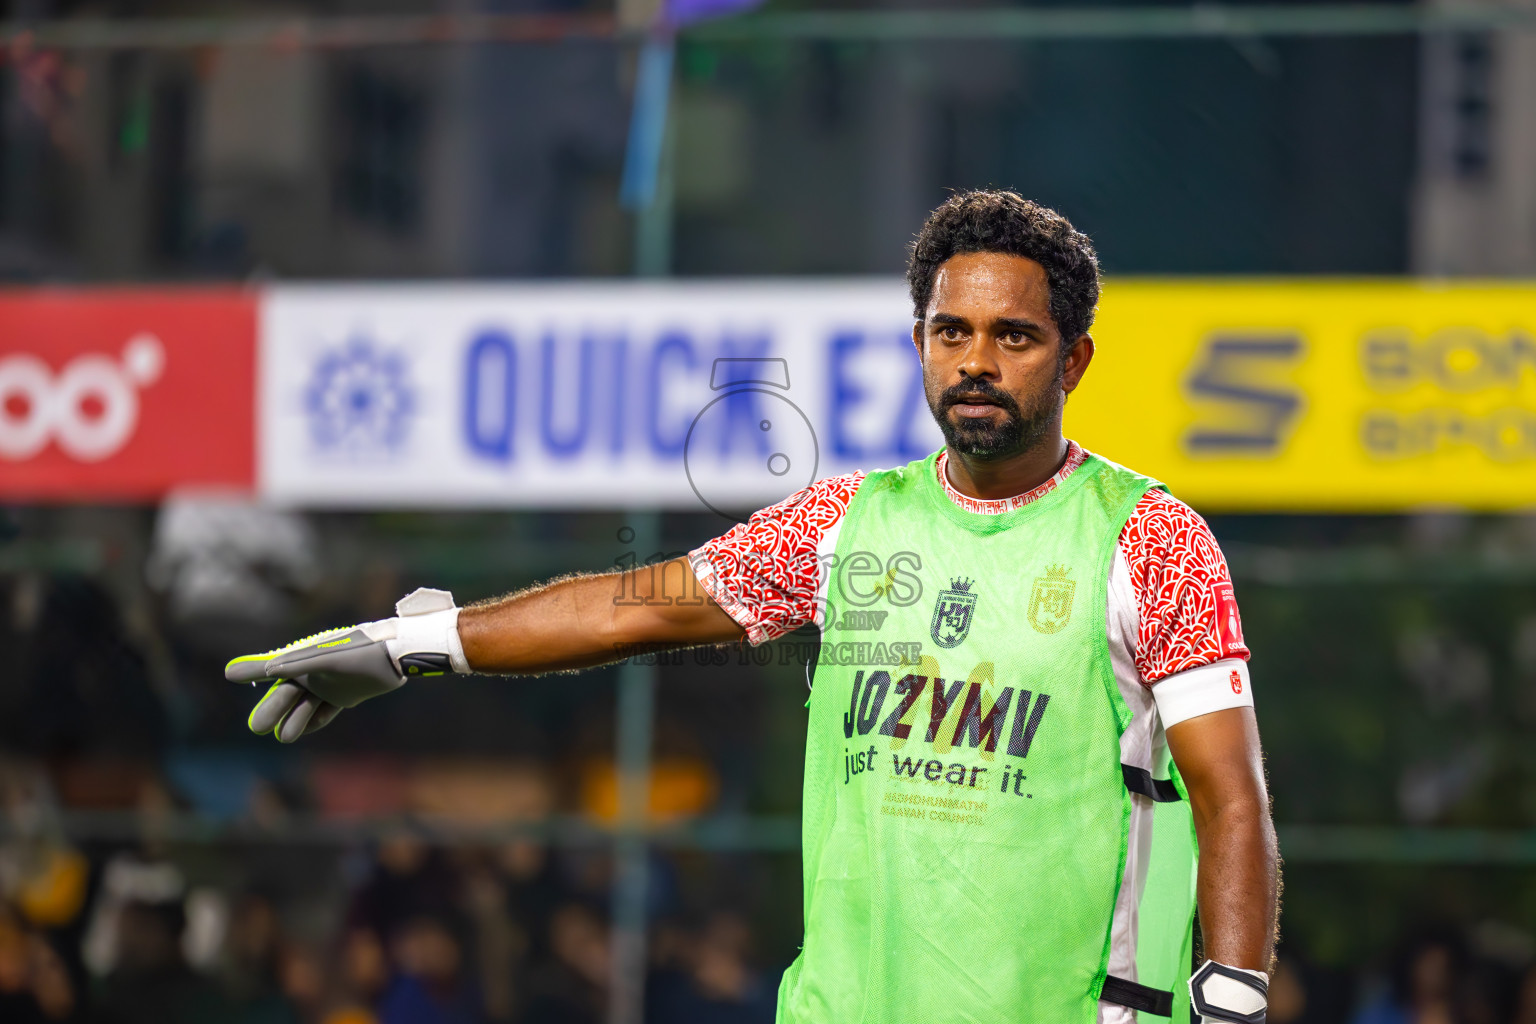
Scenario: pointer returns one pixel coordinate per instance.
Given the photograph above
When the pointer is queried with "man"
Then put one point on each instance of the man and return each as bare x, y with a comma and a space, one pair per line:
993, 830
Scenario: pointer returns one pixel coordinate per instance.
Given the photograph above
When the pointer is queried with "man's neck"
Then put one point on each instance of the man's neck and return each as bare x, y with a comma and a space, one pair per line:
990, 481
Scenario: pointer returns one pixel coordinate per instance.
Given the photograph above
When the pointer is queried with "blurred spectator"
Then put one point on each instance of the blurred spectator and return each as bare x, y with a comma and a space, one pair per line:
65, 696
1287, 993
34, 985
1482, 995
126, 878
363, 976
410, 879
1525, 998
40, 872
573, 987
1424, 983
717, 983
52, 986
1304, 992
301, 977
498, 942
535, 888
431, 986
150, 982
252, 955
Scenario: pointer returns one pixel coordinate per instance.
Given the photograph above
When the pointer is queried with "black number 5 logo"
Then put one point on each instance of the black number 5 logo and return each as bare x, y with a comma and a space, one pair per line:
1246, 378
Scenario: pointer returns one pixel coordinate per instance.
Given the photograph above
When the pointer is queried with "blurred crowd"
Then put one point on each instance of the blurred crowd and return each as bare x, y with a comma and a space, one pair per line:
420, 935
406, 932
1442, 976
1436, 975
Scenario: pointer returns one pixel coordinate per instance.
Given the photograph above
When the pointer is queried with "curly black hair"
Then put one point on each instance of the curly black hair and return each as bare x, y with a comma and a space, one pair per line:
1006, 222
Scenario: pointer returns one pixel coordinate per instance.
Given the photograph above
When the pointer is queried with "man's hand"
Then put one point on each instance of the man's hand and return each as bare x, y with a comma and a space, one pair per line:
313, 679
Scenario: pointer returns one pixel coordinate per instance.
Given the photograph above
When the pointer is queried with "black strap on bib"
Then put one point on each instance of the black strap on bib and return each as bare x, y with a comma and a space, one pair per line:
1139, 780
1155, 1001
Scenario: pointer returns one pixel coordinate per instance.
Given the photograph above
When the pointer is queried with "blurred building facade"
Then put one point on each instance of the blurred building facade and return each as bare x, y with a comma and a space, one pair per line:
1217, 155
1475, 204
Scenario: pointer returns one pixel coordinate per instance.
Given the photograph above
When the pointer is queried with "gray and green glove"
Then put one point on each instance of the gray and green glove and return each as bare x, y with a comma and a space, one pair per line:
314, 678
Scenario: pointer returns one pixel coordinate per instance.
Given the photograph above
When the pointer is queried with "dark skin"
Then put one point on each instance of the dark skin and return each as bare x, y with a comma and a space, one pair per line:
988, 320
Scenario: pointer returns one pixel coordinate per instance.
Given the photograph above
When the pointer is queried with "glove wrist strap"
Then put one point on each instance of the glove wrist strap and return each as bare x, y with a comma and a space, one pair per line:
428, 623
456, 647
1231, 994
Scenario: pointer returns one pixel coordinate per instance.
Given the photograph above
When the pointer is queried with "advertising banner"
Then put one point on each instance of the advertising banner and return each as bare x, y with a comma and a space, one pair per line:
1318, 395
1287, 395
125, 395
725, 395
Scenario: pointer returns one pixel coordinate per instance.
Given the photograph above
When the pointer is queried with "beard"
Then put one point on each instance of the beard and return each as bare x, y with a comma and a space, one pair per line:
1021, 428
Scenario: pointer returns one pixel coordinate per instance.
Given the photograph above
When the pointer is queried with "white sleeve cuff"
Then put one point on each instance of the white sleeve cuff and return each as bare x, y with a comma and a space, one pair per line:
1199, 691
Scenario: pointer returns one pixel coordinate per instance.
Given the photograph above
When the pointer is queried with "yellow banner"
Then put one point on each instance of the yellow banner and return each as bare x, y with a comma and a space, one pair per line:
1317, 395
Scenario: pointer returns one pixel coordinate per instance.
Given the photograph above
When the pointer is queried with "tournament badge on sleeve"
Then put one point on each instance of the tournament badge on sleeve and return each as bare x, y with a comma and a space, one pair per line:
952, 613
1228, 624
1050, 602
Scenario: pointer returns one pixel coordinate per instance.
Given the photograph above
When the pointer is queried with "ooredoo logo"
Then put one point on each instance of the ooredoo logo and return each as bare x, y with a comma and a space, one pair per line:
89, 408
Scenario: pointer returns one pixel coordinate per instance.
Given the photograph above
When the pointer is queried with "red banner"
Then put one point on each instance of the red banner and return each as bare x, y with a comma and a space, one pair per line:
108, 395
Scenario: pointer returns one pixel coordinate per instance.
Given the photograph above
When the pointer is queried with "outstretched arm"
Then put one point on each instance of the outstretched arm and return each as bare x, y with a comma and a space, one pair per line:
572, 623
583, 621
1219, 757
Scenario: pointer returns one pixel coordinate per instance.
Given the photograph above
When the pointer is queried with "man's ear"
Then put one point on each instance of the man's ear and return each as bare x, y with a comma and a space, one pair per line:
1076, 363
917, 337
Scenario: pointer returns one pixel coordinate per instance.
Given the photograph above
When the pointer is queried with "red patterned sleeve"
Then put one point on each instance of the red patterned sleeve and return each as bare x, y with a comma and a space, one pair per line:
1187, 610
768, 572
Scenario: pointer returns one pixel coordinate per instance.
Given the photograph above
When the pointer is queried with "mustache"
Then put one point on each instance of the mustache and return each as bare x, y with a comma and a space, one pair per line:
978, 390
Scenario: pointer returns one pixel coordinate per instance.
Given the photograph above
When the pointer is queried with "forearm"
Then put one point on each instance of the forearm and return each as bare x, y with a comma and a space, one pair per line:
582, 621
1238, 887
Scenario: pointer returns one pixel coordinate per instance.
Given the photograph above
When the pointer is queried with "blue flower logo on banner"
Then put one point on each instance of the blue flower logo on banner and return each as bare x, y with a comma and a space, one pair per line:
358, 399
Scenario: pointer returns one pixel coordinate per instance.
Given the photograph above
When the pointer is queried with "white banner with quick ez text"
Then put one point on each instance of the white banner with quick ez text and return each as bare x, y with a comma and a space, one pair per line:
726, 395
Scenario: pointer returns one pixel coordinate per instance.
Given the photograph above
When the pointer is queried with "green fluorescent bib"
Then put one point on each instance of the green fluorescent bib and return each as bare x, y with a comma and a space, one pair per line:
965, 812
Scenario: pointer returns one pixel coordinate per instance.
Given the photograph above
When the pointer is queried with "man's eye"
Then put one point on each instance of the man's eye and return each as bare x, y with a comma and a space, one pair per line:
1016, 338
949, 333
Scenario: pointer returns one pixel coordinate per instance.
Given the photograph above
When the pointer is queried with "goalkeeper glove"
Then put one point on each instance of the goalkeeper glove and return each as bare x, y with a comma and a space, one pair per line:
313, 679
1220, 993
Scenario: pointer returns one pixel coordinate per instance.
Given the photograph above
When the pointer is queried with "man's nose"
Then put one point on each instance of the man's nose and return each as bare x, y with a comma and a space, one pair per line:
978, 360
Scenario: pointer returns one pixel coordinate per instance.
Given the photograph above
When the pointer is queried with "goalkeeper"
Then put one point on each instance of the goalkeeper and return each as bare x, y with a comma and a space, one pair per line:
1034, 756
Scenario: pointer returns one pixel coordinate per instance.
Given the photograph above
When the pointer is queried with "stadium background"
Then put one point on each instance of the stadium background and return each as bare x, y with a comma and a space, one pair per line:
1319, 224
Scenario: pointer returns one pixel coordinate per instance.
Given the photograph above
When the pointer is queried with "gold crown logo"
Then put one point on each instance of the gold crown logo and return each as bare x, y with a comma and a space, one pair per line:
1057, 572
